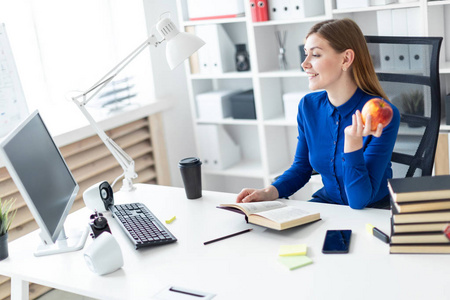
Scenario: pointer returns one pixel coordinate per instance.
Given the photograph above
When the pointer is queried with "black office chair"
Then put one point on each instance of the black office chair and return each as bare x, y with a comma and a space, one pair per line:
408, 70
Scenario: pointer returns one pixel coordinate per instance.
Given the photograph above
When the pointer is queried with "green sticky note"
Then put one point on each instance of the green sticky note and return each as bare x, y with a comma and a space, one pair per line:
294, 262
289, 250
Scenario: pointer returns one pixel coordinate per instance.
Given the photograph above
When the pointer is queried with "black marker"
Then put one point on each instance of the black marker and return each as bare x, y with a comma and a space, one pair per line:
227, 236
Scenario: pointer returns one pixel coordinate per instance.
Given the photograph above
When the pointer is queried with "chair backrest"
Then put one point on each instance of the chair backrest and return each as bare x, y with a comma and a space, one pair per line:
408, 70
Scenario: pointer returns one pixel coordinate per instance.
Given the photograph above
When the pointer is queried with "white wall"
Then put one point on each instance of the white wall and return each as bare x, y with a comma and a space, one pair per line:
177, 121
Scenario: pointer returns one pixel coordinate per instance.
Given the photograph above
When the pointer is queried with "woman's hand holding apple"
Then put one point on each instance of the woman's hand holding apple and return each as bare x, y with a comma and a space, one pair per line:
379, 110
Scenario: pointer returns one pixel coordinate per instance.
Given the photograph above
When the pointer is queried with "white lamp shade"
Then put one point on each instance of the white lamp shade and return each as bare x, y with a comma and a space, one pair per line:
181, 47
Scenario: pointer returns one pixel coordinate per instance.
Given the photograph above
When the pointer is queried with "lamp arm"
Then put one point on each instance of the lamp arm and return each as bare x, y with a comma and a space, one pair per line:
169, 32
108, 77
124, 160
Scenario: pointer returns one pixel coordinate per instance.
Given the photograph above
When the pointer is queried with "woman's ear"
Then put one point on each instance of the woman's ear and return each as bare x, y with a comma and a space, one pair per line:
349, 57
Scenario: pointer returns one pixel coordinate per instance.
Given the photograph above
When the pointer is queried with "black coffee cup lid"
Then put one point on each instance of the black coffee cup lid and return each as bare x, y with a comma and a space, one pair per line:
189, 162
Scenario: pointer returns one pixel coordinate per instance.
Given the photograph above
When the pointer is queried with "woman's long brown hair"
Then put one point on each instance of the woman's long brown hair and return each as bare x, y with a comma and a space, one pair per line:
343, 34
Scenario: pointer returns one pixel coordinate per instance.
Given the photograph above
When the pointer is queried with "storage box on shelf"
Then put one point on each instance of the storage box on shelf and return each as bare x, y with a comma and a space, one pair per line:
243, 105
215, 105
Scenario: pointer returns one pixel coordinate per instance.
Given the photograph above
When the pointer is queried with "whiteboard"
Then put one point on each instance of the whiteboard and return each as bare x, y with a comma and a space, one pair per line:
13, 107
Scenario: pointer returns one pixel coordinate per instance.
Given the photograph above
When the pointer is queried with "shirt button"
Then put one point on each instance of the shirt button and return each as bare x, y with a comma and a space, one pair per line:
334, 142
337, 122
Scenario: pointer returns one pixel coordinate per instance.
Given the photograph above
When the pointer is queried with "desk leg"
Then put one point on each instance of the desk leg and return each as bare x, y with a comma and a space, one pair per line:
19, 289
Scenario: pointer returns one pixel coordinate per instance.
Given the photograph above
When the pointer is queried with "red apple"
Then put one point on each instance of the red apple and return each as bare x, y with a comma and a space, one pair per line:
380, 111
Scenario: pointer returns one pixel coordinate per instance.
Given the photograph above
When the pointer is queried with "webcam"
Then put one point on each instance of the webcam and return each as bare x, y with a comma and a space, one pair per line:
99, 197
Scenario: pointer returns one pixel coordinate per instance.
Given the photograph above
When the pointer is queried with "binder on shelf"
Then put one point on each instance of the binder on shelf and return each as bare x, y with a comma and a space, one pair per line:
417, 53
384, 24
300, 9
207, 9
193, 60
447, 109
203, 53
217, 56
217, 150
253, 10
400, 28
262, 10
279, 10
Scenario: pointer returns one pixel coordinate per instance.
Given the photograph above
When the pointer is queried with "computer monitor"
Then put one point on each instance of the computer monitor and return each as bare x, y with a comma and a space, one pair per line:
44, 181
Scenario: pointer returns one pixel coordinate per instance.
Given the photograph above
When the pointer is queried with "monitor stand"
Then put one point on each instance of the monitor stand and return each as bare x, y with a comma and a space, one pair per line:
73, 242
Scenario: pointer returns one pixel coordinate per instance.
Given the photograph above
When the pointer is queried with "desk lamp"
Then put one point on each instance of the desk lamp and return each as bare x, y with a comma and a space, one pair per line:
180, 46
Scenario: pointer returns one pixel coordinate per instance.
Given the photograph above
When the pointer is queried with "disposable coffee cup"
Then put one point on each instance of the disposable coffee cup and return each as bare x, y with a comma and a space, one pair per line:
190, 169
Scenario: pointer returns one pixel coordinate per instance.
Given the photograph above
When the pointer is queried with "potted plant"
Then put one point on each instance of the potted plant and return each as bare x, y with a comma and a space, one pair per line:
7, 214
413, 104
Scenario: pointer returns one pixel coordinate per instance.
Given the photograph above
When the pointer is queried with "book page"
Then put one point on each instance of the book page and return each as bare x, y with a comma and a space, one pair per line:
284, 214
255, 207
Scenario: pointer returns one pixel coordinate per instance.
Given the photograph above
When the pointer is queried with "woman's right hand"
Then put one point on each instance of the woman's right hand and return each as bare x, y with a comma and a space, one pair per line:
253, 195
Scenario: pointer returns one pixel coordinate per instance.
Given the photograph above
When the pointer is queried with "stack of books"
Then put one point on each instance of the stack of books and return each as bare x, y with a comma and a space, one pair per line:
420, 209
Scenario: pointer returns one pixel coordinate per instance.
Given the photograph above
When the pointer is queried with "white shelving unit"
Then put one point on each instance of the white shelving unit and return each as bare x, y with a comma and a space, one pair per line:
268, 143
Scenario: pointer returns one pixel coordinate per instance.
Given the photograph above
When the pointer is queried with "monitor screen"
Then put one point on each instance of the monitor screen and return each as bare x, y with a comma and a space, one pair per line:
41, 175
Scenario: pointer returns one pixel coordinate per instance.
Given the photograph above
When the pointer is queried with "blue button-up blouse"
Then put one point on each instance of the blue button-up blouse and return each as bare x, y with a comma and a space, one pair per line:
358, 178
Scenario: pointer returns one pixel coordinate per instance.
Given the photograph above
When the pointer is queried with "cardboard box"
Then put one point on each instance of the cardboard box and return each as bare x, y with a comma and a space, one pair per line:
215, 105
291, 101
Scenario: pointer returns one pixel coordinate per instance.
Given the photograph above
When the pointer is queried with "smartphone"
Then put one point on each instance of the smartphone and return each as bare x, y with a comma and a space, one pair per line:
337, 241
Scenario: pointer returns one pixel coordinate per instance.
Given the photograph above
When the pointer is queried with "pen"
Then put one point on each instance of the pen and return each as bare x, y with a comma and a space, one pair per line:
377, 233
227, 236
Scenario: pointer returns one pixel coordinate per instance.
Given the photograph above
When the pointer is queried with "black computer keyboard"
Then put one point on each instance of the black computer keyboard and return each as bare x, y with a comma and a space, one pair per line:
141, 226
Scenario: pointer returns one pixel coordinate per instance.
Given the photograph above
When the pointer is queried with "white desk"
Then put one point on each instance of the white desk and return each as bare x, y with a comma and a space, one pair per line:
242, 267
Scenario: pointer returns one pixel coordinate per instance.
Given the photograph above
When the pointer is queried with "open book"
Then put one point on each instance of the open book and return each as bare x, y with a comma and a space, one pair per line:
272, 214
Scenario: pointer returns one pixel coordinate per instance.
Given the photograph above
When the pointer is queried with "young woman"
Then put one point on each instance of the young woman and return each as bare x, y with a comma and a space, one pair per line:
353, 160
